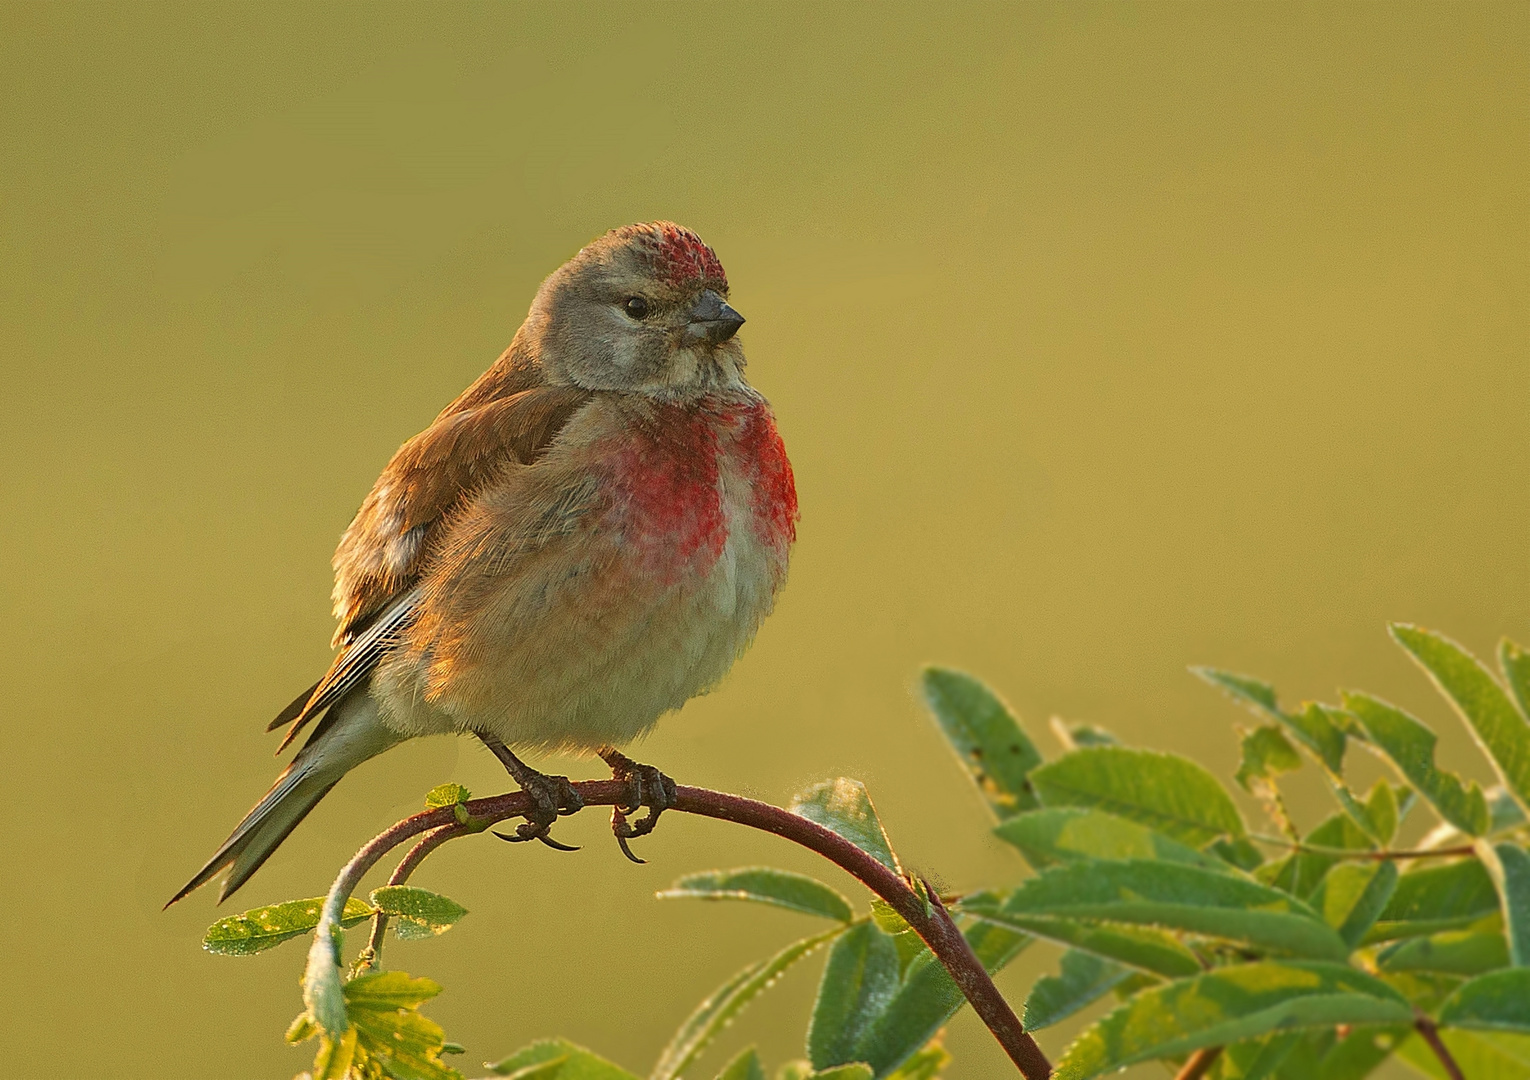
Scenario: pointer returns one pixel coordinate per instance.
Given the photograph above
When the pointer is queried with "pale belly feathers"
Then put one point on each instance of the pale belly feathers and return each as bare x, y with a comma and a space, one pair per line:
644, 604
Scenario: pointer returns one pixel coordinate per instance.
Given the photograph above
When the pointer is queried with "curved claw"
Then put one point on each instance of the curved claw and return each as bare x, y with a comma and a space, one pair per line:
555, 845
510, 839
621, 842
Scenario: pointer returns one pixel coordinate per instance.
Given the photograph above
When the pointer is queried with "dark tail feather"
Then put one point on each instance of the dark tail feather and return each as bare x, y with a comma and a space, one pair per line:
293, 711
351, 734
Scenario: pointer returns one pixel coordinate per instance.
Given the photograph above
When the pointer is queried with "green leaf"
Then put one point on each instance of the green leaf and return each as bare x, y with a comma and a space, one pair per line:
859, 980
335, 1056
764, 885
1257, 1059
924, 1065
1497, 723
383, 1007
1509, 867
1082, 978
1497, 1001
730, 999
1069, 834
1515, 663
987, 738
557, 1059
744, 1067
1171, 794
1382, 811
433, 913
887, 918
1449, 896
1481, 1055
1409, 745
1153, 951
1266, 755
1450, 952
1353, 895
927, 998
1312, 726
263, 928
446, 795
1075, 736
1184, 898
855, 1071
842, 806
1241, 853
1228, 1005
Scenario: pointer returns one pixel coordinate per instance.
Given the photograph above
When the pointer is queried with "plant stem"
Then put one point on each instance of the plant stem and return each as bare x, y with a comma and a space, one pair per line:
1431, 1034
934, 925
1200, 1063
428, 843
1360, 853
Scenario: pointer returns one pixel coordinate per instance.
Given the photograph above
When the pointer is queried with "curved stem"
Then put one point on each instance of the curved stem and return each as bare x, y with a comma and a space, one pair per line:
1431, 1034
930, 921
431, 840
1200, 1063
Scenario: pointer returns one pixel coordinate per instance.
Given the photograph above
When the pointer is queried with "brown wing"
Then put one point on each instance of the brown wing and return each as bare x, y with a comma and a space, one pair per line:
380, 556
383, 549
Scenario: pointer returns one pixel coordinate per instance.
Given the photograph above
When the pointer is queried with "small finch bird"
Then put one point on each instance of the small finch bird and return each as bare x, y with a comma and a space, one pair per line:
584, 540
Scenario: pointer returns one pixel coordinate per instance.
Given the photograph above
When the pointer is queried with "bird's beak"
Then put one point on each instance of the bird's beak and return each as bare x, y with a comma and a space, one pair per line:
710, 319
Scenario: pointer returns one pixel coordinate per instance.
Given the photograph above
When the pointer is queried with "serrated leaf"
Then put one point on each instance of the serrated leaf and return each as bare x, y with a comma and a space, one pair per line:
1497, 1001
430, 912
1311, 726
1165, 792
842, 806
1082, 978
719, 1010
1142, 948
383, 1008
1265, 755
1353, 895
859, 980
927, 998
446, 795
1481, 1055
1509, 867
764, 885
1070, 834
1229, 1004
744, 1067
1184, 898
986, 736
1450, 952
266, 927
1496, 723
1409, 745
558, 1059
1449, 896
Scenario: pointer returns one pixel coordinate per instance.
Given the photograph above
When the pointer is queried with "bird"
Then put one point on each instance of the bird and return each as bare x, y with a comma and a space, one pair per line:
586, 538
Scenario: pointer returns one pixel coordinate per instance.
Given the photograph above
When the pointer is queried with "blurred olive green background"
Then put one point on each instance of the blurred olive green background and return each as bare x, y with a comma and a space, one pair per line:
1106, 339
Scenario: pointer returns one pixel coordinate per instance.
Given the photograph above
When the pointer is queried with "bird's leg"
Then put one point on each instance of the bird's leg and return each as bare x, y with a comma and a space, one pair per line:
550, 796
648, 787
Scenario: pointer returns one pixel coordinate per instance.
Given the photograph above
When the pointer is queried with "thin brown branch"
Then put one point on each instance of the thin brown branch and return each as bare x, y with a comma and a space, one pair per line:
1200, 1063
934, 924
428, 843
1431, 1035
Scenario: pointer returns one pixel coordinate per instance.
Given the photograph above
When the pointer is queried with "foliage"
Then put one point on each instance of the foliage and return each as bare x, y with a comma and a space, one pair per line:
1304, 954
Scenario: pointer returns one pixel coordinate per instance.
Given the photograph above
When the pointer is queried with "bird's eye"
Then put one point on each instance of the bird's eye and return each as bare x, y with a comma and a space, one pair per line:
637, 307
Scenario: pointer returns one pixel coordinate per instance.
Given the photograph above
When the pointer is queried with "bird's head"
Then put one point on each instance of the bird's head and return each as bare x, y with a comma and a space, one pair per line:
642, 309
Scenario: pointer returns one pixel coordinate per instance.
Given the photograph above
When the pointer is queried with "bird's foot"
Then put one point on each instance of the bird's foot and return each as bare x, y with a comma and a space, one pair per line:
551, 797
646, 786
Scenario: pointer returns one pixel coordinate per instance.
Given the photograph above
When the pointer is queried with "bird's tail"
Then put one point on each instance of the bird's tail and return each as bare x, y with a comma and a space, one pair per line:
351, 733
